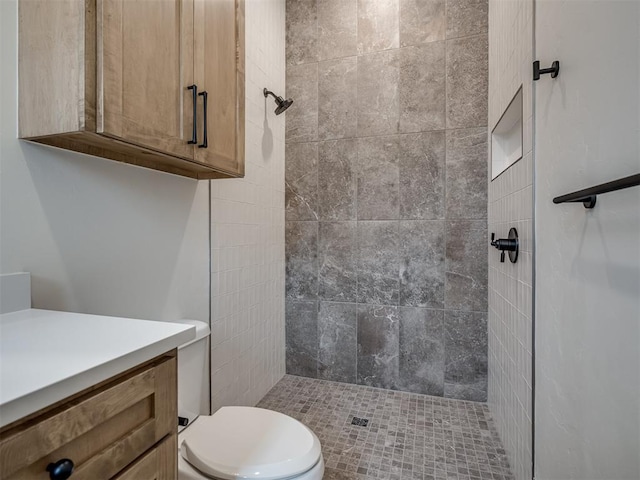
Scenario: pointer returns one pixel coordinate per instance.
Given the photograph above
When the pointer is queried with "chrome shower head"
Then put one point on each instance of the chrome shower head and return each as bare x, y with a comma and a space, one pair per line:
281, 102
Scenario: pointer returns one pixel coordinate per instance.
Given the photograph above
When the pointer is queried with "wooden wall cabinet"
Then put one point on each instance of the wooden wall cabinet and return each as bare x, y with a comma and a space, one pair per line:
124, 428
111, 78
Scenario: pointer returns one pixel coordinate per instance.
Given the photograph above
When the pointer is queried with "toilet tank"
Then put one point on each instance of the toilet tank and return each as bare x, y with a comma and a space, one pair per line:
193, 373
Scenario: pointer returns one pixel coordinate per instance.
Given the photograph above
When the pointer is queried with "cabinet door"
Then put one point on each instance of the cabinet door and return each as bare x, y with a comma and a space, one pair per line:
161, 463
219, 67
145, 64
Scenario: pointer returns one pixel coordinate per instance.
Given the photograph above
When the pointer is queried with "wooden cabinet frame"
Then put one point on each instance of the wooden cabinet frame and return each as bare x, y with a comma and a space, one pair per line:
74, 89
103, 430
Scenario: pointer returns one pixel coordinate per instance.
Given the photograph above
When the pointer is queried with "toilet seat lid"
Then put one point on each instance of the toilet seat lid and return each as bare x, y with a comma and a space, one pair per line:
249, 442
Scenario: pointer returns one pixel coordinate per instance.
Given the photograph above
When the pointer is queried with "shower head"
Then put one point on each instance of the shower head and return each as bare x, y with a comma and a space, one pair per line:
283, 105
281, 102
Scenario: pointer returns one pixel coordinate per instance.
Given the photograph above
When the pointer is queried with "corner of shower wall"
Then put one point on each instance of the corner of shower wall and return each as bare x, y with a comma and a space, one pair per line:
511, 205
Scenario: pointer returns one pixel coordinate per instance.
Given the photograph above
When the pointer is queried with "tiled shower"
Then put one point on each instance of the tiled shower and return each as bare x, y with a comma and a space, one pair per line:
386, 194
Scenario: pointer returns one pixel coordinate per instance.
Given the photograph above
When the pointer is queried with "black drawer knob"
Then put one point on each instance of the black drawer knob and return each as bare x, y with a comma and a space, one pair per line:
61, 470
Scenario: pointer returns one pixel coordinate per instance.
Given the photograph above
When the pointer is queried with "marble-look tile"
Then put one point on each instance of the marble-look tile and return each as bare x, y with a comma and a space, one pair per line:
467, 173
467, 17
378, 346
378, 178
378, 262
301, 252
301, 328
396, 98
422, 253
378, 25
422, 88
466, 265
337, 180
421, 364
476, 391
467, 82
378, 99
337, 29
422, 172
337, 98
302, 31
337, 261
301, 123
466, 354
421, 21
301, 181
338, 345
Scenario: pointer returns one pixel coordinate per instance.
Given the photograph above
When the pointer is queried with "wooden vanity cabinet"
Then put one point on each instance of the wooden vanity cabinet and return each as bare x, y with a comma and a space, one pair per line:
124, 428
111, 78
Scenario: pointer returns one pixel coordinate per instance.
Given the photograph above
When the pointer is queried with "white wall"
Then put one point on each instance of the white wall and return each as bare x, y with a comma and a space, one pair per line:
588, 261
97, 236
247, 230
511, 205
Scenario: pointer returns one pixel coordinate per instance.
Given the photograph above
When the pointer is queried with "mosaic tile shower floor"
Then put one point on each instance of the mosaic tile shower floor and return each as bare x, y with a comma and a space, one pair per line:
408, 436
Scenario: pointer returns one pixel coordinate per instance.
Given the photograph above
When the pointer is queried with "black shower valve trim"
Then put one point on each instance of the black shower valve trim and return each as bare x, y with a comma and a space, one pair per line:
510, 244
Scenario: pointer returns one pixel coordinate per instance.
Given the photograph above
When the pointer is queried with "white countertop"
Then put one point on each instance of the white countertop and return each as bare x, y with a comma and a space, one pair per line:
46, 356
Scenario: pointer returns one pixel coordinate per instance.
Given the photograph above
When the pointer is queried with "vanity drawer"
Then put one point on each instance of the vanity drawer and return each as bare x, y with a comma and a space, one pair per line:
102, 431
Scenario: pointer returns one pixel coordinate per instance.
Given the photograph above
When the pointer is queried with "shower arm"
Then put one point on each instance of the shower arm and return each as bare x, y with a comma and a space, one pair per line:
280, 102
269, 92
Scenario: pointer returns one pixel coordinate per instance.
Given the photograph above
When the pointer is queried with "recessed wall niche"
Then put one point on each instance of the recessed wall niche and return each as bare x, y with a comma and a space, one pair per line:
506, 138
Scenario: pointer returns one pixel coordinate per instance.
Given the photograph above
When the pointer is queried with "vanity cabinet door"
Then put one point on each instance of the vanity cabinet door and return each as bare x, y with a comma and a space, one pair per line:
101, 431
144, 65
219, 71
161, 463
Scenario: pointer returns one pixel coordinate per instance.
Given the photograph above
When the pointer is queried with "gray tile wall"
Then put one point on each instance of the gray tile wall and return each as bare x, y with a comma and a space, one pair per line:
386, 194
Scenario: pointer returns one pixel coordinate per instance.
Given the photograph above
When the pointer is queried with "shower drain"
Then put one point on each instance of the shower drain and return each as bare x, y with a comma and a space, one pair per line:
360, 422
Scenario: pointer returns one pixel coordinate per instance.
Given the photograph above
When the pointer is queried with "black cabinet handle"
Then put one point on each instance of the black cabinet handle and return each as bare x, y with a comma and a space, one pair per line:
194, 134
204, 144
61, 470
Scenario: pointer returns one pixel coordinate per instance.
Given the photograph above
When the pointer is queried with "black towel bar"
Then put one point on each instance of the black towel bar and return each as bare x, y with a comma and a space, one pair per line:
588, 195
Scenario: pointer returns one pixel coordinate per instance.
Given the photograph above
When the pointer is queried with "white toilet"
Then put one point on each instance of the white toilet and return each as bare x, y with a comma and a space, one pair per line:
236, 442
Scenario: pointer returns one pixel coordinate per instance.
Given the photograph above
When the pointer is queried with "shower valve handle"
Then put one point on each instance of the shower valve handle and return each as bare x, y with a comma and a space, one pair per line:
504, 243
510, 244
